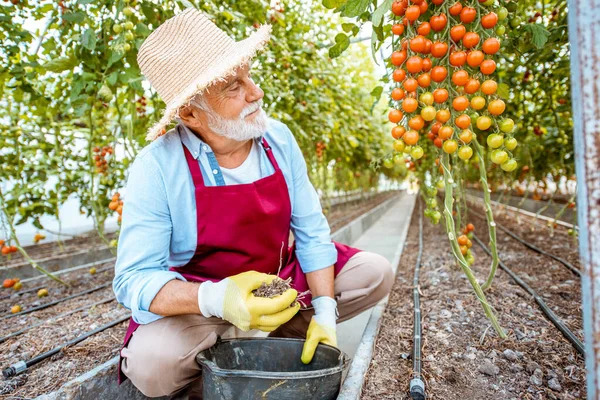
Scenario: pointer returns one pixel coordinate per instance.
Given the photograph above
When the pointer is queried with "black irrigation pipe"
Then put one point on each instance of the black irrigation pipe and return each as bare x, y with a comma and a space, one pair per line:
52, 303
22, 366
36, 288
533, 247
417, 386
560, 325
21, 331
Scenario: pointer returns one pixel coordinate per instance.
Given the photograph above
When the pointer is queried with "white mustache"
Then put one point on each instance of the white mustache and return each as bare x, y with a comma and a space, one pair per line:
251, 108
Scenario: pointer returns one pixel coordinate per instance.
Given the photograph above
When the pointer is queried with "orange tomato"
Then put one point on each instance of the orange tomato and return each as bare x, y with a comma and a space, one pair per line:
398, 131
411, 85
496, 107
411, 137
460, 77
472, 86
417, 44
445, 132
417, 123
460, 103
466, 136
424, 80
489, 21
435, 128
440, 95
439, 49
399, 7
424, 28
398, 94
423, 7
487, 67
458, 58
457, 32
489, 87
395, 116
438, 143
410, 104
455, 9
397, 29
470, 40
399, 75
468, 15
427, 65
412, 13
475, 58
438, 22
438, 73
443, 116
491, 46
414, 64
398, 57
463, 121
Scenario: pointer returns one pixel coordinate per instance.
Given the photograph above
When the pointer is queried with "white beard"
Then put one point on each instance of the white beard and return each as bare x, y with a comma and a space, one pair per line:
237, 129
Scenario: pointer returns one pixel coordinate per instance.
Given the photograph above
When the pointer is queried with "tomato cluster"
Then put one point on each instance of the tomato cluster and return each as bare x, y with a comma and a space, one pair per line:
116, 204
6, 249
100, 158
443, 85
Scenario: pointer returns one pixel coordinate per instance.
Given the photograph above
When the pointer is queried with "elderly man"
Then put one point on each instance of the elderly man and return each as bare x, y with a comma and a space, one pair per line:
208, 212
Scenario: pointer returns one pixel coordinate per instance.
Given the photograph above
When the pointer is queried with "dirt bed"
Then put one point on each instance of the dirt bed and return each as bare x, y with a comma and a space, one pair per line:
463, 358
51, 374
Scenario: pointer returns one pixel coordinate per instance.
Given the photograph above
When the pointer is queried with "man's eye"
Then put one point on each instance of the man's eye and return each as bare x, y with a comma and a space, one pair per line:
234, 87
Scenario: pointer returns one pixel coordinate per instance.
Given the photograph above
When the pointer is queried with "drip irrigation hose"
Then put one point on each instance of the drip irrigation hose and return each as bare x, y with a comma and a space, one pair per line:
22, 366
417, 386
21, 331
534, 247
36, 288
52, 303
560, 325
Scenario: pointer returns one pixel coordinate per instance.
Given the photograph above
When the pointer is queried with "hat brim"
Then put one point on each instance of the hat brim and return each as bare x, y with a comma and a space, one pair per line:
243, 51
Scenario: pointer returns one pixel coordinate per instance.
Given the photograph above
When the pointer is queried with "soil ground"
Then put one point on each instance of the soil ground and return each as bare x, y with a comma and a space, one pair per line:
51, 374
463, 358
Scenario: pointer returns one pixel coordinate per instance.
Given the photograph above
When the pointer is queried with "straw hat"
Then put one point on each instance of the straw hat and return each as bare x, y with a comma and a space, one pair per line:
188, 53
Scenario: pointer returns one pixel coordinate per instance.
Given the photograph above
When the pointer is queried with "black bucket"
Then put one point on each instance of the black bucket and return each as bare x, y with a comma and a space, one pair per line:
270, 368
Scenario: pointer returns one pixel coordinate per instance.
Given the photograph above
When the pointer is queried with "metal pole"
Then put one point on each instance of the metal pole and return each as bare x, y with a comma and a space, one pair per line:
584, 31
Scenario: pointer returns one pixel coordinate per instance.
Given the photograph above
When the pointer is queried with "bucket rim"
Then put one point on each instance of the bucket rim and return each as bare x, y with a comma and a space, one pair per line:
344, 360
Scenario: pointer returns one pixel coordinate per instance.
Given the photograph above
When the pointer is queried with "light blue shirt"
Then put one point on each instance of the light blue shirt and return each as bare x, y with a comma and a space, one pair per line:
159, 214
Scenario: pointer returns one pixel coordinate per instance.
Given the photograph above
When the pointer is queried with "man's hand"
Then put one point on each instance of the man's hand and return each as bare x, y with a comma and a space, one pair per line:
322, 327
232, 300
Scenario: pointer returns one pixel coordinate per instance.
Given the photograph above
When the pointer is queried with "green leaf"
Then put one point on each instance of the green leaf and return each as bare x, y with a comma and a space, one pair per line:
74, 16
112, 78
377, 17
539, 34
354, 8
84, 2
503, 90
115, 55
60, 64
341, 43
347, 27
377, 91
88, 39
142, 29
331, 4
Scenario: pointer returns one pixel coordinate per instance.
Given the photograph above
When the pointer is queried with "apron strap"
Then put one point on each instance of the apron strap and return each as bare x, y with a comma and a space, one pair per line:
270, 154
194, 167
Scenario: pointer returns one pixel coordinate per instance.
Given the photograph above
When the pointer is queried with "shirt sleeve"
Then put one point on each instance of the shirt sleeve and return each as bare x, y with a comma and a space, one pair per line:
141, 269
314, 248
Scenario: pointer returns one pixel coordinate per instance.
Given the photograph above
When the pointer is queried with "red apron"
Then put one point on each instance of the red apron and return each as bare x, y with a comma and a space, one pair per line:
244, 228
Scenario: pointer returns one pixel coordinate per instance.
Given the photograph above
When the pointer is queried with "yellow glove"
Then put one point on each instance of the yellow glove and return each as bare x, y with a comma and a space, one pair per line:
322, 328
232, 300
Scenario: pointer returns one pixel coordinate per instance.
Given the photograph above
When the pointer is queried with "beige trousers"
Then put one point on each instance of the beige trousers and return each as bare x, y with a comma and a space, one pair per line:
160, 359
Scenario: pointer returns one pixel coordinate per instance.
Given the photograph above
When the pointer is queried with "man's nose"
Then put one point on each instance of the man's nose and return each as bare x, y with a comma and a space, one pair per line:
255, 93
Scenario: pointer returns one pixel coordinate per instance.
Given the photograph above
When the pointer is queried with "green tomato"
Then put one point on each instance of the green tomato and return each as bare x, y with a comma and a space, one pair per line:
494, 140
432, 203
507, 125
436, 215
511, 6
470, 259
128, 11
113, 243
28, 69
474, 115
129, 36
515, 22
510, 143
509, 165
117, 28
388, 163
499, 156
426, 98
465, 153
502, 13
440, 184
126, 47
128, 25
489, 3
398, 158
407, 149
470, 235
500, 30
416, 152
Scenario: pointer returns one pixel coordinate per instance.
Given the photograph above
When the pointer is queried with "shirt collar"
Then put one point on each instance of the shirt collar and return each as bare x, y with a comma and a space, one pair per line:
196, 145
